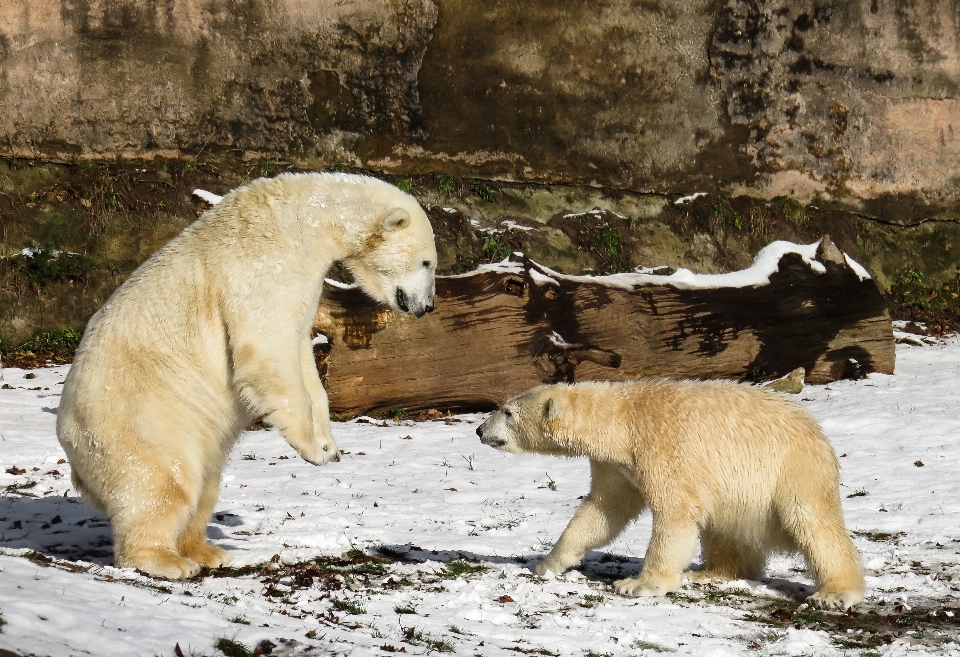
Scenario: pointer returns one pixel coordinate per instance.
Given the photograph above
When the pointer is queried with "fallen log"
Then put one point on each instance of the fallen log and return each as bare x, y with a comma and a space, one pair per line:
504, 328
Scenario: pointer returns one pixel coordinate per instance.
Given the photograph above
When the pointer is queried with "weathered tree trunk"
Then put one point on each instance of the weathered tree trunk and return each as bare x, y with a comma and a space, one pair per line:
501, 330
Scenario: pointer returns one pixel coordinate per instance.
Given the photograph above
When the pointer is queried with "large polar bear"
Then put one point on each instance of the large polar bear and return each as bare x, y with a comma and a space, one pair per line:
745, 468
214, 330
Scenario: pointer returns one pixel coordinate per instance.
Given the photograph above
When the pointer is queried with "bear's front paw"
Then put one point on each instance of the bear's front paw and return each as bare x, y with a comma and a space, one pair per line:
549, 568
645, 586
829, 599
320, 452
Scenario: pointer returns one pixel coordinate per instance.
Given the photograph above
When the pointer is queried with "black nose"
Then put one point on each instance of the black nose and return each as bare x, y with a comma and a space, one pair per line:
402, 301
480, 431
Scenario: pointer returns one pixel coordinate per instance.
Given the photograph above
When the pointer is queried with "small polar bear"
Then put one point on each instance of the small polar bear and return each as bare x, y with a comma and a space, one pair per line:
744, 469
215, 330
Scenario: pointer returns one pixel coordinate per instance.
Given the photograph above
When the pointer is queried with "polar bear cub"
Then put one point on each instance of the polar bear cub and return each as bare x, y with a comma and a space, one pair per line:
744, 469
214, 330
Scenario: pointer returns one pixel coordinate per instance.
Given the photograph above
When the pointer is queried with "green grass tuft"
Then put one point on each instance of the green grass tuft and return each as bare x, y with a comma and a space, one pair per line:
461, 567
483, 190
446, 185
497, 247
53, 341
232, 648
352, 607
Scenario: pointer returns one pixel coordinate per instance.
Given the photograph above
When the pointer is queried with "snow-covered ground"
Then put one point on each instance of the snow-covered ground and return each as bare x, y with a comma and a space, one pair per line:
459, 527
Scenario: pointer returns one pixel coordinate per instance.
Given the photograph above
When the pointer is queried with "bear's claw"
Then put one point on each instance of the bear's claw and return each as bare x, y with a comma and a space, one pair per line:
544, 570
645, 587
835, 599
161, 563
209, 556
320, 455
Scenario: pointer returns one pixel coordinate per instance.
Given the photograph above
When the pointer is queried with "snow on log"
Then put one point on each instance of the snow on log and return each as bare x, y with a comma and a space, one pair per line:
504, 328
209, 197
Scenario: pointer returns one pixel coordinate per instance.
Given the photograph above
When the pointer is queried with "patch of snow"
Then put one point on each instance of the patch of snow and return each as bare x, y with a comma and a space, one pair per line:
32, 251
858, 269
454, 211
597, 212
902, 324
540, 279
513, 225
209, 197
338, 284
505, 225
687, 199
765, 264
558, 340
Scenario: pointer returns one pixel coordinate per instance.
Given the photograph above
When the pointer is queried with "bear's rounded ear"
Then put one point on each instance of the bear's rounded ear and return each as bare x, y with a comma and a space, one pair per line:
395, 219
551, 410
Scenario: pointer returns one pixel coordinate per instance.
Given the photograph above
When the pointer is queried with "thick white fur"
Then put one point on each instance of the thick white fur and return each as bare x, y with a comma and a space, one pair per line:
214, 330
745, 470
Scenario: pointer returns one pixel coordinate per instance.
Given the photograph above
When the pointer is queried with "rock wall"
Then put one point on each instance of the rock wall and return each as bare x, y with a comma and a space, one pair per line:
853, 103
97, 78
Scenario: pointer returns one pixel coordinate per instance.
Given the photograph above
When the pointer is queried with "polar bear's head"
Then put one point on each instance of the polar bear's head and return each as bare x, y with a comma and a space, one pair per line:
530, 422
398, 260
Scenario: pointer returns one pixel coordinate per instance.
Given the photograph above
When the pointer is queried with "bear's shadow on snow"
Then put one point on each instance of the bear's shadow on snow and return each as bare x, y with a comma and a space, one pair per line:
596, 566
410, 552
59, 527
70, 528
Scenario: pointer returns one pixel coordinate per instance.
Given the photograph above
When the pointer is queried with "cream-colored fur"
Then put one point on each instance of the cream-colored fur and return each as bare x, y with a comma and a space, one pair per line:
214, 330
745, 470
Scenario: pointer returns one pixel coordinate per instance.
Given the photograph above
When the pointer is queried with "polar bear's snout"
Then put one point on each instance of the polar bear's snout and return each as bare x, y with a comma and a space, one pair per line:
419, 307
488, 435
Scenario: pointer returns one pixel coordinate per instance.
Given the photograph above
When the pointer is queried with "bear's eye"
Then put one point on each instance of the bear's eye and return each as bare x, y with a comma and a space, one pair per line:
426, 263
507, 412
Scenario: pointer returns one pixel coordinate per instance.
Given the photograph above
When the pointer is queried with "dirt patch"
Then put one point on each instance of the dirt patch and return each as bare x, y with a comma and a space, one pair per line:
932, 308
48, 348
870, 626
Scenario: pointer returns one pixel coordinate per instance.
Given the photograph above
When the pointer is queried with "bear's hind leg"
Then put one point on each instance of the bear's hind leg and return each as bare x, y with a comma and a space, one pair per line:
834, 562
725, 558
612, 503
672, 546
193, 543
146, 525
